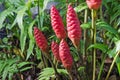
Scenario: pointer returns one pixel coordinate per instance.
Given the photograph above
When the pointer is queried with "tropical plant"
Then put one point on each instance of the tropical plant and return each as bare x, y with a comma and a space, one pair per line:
93, 37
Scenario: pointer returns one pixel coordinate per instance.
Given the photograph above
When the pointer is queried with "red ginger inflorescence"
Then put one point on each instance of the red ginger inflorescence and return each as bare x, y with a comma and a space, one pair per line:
57, 23
65, 55
55, 50
40, 40
94, 4
73, 26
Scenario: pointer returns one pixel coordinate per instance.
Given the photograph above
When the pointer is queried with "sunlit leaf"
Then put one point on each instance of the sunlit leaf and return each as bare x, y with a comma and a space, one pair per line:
112, 52
117, 45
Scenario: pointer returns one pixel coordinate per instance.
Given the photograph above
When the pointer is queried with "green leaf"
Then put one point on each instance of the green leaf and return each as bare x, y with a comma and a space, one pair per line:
4, 14
38, 53
10, 76
49, 72
104, 25
115, 16
19, 20
112, 52
81, 7
118, 22
21, 64
2, 66
5, 40
117, 45
102, 47
31, 42
45, 3
46, 74
4, 46
26, 68
118, 67
85, 25
81, 68
5, 73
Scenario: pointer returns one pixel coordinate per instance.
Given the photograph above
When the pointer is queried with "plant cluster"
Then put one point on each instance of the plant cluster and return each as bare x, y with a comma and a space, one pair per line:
59, 39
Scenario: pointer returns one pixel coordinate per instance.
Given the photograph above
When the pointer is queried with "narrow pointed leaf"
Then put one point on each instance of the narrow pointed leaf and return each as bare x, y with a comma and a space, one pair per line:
102, 47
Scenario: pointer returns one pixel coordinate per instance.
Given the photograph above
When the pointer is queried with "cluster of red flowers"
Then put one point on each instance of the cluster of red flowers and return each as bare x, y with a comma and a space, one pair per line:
61, 51
74, 34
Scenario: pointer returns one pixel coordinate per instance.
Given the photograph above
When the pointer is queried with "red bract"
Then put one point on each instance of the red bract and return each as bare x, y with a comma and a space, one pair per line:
57, 23
94, 4
65, 55
55, 50
40, 40
73, 26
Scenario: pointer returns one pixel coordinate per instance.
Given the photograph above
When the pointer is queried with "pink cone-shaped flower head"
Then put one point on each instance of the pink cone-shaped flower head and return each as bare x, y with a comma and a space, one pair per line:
57, 23
65, 55
40, 40
94, 4
55, 50
73, 26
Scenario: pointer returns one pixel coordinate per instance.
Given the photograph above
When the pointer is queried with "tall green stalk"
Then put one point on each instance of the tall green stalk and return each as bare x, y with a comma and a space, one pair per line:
93, 12
113, 62
38, 12
85, 32
101, 67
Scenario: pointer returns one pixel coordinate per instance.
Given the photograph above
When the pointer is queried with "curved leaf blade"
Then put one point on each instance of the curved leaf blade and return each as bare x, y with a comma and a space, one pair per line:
102, 47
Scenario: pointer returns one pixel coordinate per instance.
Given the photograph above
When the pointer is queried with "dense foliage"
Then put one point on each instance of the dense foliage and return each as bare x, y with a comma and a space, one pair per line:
22, 59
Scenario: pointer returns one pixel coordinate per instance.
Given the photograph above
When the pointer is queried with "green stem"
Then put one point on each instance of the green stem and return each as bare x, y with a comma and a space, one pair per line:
38, 13
101, 67
70, 74
85, 33
76, 70
94, 41
101, 13
44, 60
79, 55
113, 62
54, 67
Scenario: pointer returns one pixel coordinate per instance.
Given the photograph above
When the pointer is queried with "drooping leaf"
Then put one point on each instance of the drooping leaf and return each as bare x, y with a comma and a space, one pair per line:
102, 47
